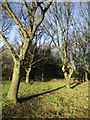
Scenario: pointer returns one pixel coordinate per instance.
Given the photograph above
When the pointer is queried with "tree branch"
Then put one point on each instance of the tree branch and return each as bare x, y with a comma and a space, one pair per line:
13, 53
14, 17
38, 60
41, 17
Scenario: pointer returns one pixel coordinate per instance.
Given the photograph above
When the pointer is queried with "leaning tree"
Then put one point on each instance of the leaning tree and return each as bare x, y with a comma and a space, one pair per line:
27, 17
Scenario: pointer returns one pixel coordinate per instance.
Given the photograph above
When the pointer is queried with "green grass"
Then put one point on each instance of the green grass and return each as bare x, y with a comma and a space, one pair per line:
61, 103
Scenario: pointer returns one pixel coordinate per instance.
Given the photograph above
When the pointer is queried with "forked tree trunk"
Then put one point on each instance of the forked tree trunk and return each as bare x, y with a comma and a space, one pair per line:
27, 75
67, 76
13, 91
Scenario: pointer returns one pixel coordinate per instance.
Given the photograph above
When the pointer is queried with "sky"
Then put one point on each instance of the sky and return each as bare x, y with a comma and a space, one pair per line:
14, 29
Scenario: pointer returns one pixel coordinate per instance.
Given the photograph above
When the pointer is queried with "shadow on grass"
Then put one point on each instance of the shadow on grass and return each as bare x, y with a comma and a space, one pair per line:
75, 84
20, 100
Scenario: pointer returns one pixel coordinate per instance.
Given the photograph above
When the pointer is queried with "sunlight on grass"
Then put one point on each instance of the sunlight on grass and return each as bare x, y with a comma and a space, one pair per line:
61, 102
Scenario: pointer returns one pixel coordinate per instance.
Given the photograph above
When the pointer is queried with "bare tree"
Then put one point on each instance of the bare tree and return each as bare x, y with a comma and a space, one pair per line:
33, 15
82, 33
62, 36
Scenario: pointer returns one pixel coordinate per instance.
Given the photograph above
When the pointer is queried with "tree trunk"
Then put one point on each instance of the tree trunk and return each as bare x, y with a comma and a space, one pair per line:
86, 76
13, 91
67, 77
27, 75
68, 83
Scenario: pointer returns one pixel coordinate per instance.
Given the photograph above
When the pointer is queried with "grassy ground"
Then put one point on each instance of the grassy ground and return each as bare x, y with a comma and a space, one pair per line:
47, 100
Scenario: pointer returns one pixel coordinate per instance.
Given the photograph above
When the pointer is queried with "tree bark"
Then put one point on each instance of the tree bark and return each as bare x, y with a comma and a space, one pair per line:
27, 75
13, 91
